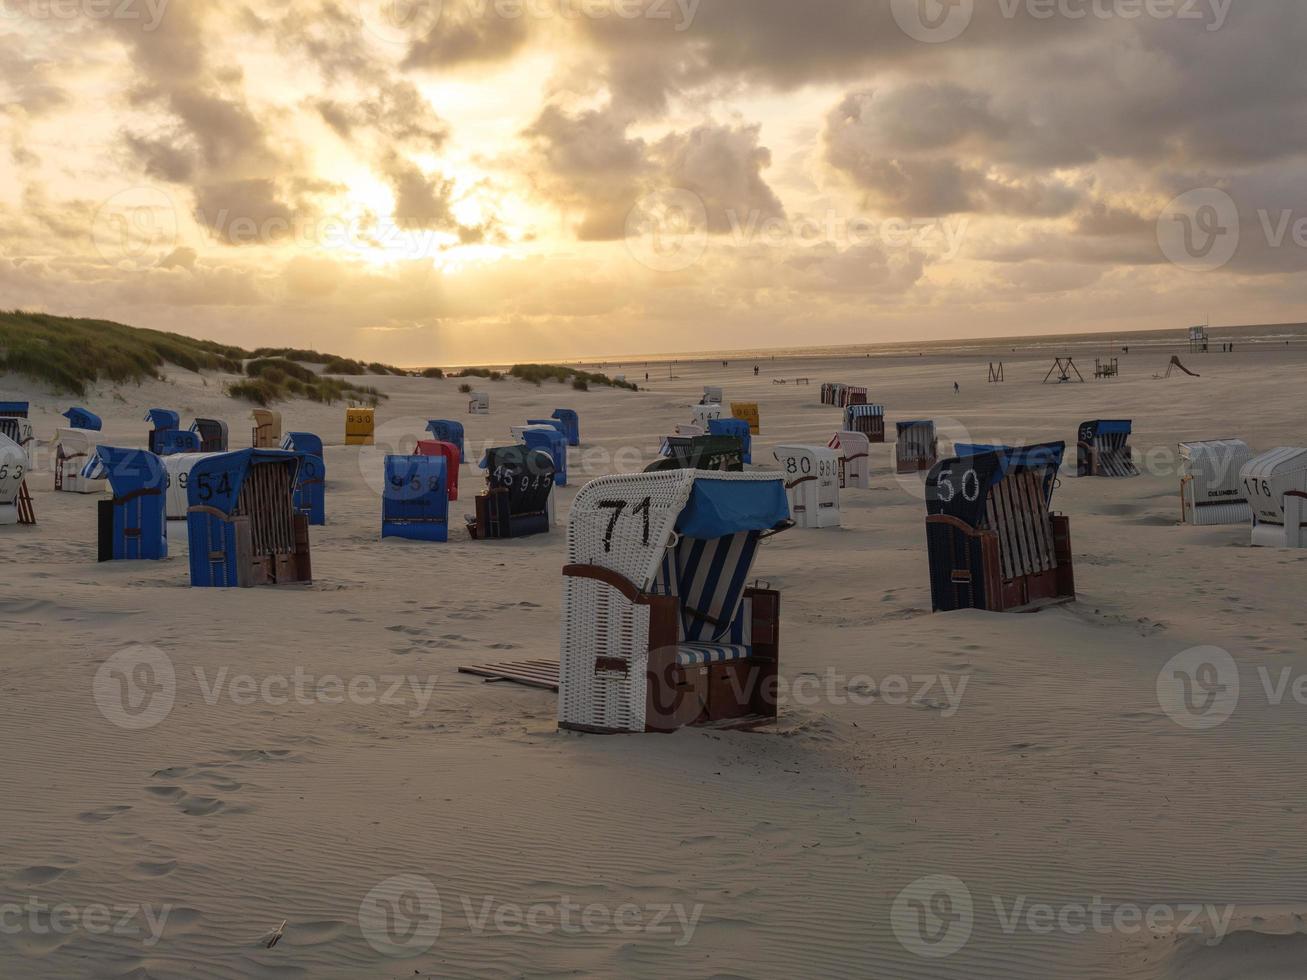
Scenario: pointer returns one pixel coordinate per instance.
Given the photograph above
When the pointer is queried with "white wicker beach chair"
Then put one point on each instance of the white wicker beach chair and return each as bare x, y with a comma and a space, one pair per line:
854, 449
1276, 486
702, 413
73, 448
478, 403
812, 480
1211, 489
660, 628
15, 504
712, 394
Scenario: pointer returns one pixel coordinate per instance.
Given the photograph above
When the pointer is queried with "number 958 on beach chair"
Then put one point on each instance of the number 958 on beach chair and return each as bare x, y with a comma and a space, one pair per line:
660, 627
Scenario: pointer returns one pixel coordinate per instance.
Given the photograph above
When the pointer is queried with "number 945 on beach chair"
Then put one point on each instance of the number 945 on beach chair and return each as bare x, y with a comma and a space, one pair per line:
993, 541
660, 628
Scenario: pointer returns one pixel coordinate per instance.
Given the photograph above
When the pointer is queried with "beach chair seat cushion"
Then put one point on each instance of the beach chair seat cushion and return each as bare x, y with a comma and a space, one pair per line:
702, 654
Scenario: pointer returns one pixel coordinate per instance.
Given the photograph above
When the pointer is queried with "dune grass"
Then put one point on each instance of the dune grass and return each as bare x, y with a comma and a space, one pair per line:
68, 353
581, 380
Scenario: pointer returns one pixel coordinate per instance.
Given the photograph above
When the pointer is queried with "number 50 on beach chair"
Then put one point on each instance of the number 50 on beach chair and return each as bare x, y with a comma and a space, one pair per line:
992, 538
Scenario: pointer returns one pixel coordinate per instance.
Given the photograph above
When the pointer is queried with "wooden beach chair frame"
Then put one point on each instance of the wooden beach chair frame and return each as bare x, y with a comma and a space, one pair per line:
993, 541
660, 628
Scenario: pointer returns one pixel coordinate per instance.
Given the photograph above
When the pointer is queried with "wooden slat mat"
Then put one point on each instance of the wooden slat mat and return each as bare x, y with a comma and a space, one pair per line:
532, 673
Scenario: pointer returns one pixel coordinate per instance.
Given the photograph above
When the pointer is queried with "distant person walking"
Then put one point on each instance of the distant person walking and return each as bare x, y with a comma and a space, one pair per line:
755, 370
957, 388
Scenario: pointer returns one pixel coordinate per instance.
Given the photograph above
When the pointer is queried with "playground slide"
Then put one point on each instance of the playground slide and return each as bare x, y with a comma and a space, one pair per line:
1176, 362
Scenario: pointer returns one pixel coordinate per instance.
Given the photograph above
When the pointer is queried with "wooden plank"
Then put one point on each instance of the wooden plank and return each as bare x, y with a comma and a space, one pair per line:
1033, 504
1002, 525
529, 673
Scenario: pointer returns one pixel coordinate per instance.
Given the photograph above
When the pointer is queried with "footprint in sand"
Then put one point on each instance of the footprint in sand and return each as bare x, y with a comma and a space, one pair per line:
156, 869
40, 874
102, 813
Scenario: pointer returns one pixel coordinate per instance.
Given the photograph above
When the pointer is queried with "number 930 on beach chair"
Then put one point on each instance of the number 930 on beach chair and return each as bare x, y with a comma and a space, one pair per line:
242, 524
812, 481
993, 541
660, 627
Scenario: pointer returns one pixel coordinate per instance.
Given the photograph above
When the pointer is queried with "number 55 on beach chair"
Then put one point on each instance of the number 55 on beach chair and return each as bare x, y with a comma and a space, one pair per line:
992, 538
660, 627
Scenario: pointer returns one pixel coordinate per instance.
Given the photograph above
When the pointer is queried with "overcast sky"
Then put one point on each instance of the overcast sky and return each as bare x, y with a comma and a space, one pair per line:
498, 180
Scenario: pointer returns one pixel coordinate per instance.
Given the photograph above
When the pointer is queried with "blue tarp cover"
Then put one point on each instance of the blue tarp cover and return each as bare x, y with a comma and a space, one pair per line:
721, 507
1111, 427
302, 442
216, 482
19, 409
81, 418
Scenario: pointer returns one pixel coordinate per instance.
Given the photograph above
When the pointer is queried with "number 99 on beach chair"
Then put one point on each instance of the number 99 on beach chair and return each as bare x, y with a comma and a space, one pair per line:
660, 627
992, 538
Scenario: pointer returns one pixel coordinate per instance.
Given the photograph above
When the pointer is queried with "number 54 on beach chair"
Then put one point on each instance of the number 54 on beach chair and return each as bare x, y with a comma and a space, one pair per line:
660, 627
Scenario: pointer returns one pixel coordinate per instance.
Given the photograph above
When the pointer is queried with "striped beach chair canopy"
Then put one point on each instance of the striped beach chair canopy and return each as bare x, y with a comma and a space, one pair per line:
1211, 484
15, 409
1276, 486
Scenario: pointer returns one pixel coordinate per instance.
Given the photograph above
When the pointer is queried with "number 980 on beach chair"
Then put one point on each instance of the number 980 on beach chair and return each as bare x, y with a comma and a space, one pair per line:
812, 480
660, 628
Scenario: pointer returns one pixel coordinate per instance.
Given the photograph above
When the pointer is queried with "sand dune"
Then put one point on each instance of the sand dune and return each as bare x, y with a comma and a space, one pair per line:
1028, 759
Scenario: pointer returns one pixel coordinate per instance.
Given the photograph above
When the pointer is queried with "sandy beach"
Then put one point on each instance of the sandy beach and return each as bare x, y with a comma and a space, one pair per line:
320, 745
